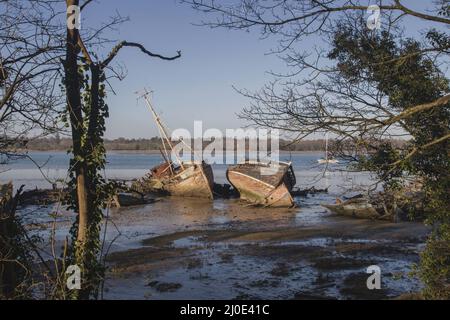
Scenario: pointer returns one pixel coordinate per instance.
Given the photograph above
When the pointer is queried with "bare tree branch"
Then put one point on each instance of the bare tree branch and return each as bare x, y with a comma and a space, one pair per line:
122, 44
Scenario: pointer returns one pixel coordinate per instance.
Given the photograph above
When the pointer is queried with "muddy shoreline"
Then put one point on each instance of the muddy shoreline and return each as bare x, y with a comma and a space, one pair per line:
181, 248
257, 253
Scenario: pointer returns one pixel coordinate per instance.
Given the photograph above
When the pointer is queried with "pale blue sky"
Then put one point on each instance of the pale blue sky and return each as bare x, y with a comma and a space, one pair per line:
198, 86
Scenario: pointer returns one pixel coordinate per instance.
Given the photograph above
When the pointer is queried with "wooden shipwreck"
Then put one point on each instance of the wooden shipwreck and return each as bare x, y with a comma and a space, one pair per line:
178, 178
266, 184
189, 179
356, 208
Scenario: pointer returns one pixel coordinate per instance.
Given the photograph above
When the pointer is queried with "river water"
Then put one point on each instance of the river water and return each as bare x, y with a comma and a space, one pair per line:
122, 165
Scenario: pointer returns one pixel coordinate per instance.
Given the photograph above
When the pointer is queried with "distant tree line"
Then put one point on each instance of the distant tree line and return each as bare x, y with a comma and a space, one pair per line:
154, 144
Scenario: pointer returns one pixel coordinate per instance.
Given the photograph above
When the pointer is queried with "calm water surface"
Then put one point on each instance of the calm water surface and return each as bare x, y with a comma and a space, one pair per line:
121, 165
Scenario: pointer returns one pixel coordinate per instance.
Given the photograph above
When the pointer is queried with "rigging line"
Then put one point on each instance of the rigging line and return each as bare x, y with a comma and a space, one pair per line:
161, 126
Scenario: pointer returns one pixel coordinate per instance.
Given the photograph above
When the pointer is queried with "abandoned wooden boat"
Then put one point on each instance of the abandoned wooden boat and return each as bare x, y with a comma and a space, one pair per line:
267, 184
188, 180
178, 178
356, 208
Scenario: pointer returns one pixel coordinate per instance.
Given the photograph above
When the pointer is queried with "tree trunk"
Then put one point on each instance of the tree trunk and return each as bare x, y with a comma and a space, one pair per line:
76, 120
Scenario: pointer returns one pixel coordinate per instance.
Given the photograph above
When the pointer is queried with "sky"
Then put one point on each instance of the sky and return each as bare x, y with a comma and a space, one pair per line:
199, 85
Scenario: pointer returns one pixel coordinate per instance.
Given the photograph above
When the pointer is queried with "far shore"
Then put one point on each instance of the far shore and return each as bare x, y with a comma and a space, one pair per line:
156, 151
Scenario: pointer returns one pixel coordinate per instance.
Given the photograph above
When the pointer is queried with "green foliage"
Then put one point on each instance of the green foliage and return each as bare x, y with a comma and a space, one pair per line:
444, 8
400, 70
16, 251
380, 162
435, 264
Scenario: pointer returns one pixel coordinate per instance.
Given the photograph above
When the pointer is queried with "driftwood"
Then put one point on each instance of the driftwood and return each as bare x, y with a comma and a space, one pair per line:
41, 196
129, 199
304, 192
403, 205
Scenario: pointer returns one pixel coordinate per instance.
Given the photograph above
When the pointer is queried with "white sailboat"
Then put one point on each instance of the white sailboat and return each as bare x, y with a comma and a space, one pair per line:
327, 160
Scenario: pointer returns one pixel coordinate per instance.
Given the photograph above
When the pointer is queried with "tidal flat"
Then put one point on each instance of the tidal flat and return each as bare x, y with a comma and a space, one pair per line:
181, 248
203, 251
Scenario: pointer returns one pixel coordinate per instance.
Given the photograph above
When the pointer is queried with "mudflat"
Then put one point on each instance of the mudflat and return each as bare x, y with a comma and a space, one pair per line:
188, 248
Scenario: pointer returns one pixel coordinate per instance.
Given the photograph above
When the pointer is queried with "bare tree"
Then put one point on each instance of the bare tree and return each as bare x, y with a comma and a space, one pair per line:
30, 53
44, 63
87, 113
366, 83
315, 96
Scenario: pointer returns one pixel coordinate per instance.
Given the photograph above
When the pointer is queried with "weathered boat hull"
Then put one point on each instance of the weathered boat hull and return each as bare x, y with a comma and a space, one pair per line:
354, 208
177, 178
273, 192
195, 180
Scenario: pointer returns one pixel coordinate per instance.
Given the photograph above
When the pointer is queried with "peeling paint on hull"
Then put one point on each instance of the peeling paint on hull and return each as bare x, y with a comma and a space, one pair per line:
259, 192
195, 180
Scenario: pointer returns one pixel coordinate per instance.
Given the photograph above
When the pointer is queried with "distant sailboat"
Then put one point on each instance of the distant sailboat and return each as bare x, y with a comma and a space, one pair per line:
327, 159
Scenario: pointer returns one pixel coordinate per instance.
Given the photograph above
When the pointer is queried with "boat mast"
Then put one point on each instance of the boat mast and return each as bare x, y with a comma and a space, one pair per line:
162, 130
